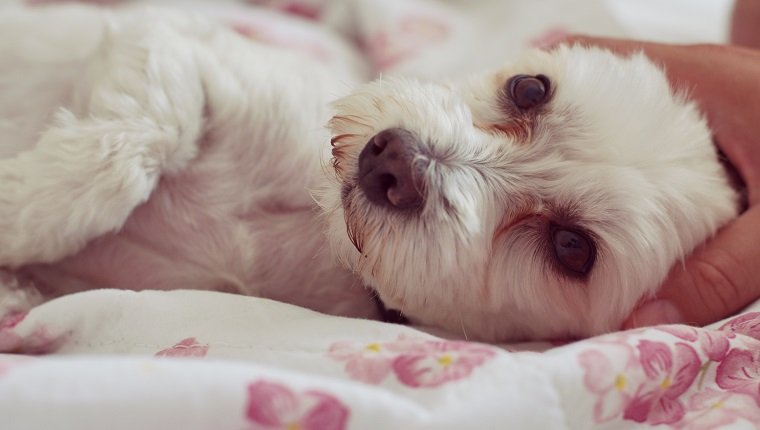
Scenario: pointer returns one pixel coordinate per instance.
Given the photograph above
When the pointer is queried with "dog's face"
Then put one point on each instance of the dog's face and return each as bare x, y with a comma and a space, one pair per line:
540, 201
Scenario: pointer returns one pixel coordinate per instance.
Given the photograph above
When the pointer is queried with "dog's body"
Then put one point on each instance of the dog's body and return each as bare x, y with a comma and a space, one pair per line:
181, 155
184, 157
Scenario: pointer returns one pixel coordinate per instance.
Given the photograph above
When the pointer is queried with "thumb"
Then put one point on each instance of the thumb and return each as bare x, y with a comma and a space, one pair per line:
716, 281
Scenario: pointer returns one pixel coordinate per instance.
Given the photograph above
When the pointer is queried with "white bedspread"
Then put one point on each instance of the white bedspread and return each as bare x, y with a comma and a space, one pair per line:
113, 360
202, 360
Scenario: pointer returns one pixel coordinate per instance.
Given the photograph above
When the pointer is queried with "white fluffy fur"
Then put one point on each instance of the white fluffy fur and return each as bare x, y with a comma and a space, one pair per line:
175, 154
179, 155
615, 150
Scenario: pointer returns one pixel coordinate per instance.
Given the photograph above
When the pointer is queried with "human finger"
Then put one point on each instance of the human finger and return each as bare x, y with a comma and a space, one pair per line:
715, 281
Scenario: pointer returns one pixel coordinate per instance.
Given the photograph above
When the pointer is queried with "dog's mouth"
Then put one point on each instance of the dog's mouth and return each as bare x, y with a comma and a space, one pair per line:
389, 315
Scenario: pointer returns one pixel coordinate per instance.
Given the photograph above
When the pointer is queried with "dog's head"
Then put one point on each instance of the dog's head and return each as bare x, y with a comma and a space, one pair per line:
542, 200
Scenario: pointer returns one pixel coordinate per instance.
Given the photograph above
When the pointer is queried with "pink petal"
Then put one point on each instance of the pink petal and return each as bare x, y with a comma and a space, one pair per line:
639, 406
424, 370
371, 370
549, 37
423, 29
747, 324
344, 350
188, 347
714, 344
304, 10
610, 405
459, 370
410, 345
666, 411
602, 367
270, 404
740, 372
598, 375
328, 413
686, 366
656, 358
409, 372
417, 371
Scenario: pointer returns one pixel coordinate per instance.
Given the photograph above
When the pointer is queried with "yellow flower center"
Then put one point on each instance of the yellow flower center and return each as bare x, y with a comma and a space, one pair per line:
374, 347
718, 405
665, 383
620, 382
293, 426
445, 360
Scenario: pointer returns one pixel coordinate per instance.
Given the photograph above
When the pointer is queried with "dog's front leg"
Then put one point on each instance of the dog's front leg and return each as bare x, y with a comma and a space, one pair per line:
139, 115
17, 295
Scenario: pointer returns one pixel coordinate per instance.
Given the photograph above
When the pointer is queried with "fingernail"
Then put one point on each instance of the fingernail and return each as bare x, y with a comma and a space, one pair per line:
654, 313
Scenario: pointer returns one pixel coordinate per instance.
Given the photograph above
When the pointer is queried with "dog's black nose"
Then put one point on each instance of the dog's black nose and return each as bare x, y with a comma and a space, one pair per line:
387, 172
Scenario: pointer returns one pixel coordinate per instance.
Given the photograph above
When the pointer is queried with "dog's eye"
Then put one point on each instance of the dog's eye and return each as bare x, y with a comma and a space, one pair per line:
528, 92
575, 251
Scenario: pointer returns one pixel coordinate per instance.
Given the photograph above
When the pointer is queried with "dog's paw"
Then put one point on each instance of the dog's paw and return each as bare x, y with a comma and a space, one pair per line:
17, 296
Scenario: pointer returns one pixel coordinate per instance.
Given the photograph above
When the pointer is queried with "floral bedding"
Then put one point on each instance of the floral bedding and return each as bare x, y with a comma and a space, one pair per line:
207, 360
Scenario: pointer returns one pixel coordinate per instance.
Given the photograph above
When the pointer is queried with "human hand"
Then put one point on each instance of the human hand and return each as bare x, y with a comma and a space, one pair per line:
723, 275
745, 23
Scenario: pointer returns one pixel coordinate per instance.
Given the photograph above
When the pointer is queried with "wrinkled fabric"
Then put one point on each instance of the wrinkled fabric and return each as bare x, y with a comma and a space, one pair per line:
206, 360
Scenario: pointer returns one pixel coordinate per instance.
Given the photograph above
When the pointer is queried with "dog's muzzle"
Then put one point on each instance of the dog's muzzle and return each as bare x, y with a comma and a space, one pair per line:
390, 173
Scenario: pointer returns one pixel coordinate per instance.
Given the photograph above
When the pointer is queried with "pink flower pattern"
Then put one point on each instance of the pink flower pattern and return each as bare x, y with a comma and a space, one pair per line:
704, 380
739, 372
308, 9
414, 363
669, 373
440, 362
411, 35
274, 406
549, 37
712, 409
188, 347
747, 325
714, 344
607, 375
370, 363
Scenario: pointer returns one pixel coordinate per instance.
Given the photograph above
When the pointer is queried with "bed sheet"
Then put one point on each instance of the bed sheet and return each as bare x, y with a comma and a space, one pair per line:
203, 360
207, 360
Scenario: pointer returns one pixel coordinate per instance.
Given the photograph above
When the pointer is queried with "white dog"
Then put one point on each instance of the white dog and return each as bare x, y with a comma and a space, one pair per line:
542, 200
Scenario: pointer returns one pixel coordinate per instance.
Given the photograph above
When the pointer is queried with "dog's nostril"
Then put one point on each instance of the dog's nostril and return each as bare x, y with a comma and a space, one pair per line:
386, 172
386, 181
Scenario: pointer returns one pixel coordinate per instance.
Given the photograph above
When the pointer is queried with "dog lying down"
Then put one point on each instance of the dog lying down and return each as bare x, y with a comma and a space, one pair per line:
541, 200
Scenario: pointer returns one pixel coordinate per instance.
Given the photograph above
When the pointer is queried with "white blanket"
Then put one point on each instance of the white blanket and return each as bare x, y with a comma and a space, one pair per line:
203, 360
